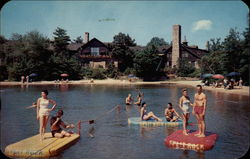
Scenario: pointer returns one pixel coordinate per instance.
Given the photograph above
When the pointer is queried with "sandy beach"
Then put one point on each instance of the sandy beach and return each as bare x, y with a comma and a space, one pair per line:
186, 83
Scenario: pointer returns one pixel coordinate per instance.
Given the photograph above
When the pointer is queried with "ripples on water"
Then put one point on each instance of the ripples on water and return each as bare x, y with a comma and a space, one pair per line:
227, 115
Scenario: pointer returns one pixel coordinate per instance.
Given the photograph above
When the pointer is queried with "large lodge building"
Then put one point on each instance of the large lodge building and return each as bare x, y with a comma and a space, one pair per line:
94, 53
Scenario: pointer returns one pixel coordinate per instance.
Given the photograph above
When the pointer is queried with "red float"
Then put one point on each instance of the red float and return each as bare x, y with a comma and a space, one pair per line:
190, 142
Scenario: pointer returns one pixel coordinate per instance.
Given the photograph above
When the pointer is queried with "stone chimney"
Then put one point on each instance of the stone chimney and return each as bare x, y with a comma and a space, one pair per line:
176, 36
86, 37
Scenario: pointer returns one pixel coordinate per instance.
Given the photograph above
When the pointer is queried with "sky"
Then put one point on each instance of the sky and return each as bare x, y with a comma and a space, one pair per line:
142, 20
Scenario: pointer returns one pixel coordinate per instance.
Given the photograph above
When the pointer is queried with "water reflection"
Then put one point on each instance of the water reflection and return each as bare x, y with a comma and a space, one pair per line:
187, 154
64, 87
144, 130
91, 131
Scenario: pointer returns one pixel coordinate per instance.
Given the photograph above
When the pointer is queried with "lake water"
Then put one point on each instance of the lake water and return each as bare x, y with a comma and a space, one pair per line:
227, 115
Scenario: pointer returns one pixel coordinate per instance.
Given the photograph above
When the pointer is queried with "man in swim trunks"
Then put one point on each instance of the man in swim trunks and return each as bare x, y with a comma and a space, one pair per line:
169, 113
128, 100
199, 109
56, 124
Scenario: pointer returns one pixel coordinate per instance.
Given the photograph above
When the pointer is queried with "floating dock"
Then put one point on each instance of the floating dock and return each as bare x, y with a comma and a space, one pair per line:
178, 140
33, 147
151, 122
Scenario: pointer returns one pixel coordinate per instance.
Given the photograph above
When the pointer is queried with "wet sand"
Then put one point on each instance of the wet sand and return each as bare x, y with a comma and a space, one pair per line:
242, 91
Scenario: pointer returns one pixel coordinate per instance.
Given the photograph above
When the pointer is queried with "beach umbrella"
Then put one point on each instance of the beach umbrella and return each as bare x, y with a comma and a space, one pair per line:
207, 75
233, 74
218, 76
64, 75
33, 75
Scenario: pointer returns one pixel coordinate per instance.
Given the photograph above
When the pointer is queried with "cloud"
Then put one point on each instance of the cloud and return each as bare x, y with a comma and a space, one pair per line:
202, 25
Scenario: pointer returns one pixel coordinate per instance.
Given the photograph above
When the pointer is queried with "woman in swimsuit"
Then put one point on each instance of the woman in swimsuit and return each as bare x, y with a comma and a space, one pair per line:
169, 113
184, 104
147, 116
43, 111
139, 99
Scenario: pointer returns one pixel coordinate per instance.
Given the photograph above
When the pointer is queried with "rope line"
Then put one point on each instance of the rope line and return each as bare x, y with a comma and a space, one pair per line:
99, 117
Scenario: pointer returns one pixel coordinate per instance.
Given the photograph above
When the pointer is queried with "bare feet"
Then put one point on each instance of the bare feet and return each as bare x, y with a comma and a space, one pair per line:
159, 119
198, 134
202, 135
185, 132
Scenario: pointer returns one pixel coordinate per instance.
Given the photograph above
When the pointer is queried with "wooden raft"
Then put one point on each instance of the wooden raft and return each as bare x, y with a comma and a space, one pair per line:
33, 147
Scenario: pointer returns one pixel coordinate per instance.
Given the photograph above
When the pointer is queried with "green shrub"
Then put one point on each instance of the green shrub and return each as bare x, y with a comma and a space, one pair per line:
98, 73
196, 73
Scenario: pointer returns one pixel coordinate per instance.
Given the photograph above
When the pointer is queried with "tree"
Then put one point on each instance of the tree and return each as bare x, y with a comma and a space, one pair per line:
157, 42
213, 62
215, 45
26, 54
78, 40
233, 50
123, 39
122, 52
146, 63
3, 41
61, 40
124, 55
185, 68
245, 56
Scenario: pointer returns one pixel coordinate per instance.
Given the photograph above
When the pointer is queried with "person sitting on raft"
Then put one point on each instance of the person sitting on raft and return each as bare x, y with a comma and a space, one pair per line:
169, 113
56, 123
128, 100
139, 100
147, 116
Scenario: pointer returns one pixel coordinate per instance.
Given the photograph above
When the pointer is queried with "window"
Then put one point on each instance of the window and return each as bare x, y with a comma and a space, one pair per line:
95, 51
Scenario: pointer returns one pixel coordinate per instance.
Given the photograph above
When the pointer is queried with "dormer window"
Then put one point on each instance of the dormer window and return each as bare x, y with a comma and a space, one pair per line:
95, 51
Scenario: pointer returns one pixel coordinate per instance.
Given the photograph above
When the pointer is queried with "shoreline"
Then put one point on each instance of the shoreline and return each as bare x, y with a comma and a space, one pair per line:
236, 90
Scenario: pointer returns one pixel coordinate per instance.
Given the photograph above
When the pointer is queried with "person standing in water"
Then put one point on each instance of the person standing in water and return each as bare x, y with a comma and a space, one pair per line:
184, 104
199, 109
128, 100
139, 100
43, 111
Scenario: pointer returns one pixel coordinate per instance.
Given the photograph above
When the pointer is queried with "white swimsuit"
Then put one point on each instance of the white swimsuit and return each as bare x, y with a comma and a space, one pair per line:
185, 106
44, 110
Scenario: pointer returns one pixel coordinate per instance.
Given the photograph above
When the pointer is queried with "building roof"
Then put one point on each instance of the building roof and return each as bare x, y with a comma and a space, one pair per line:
75, 46
91, 41
163, 48
137, 48
193, 50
